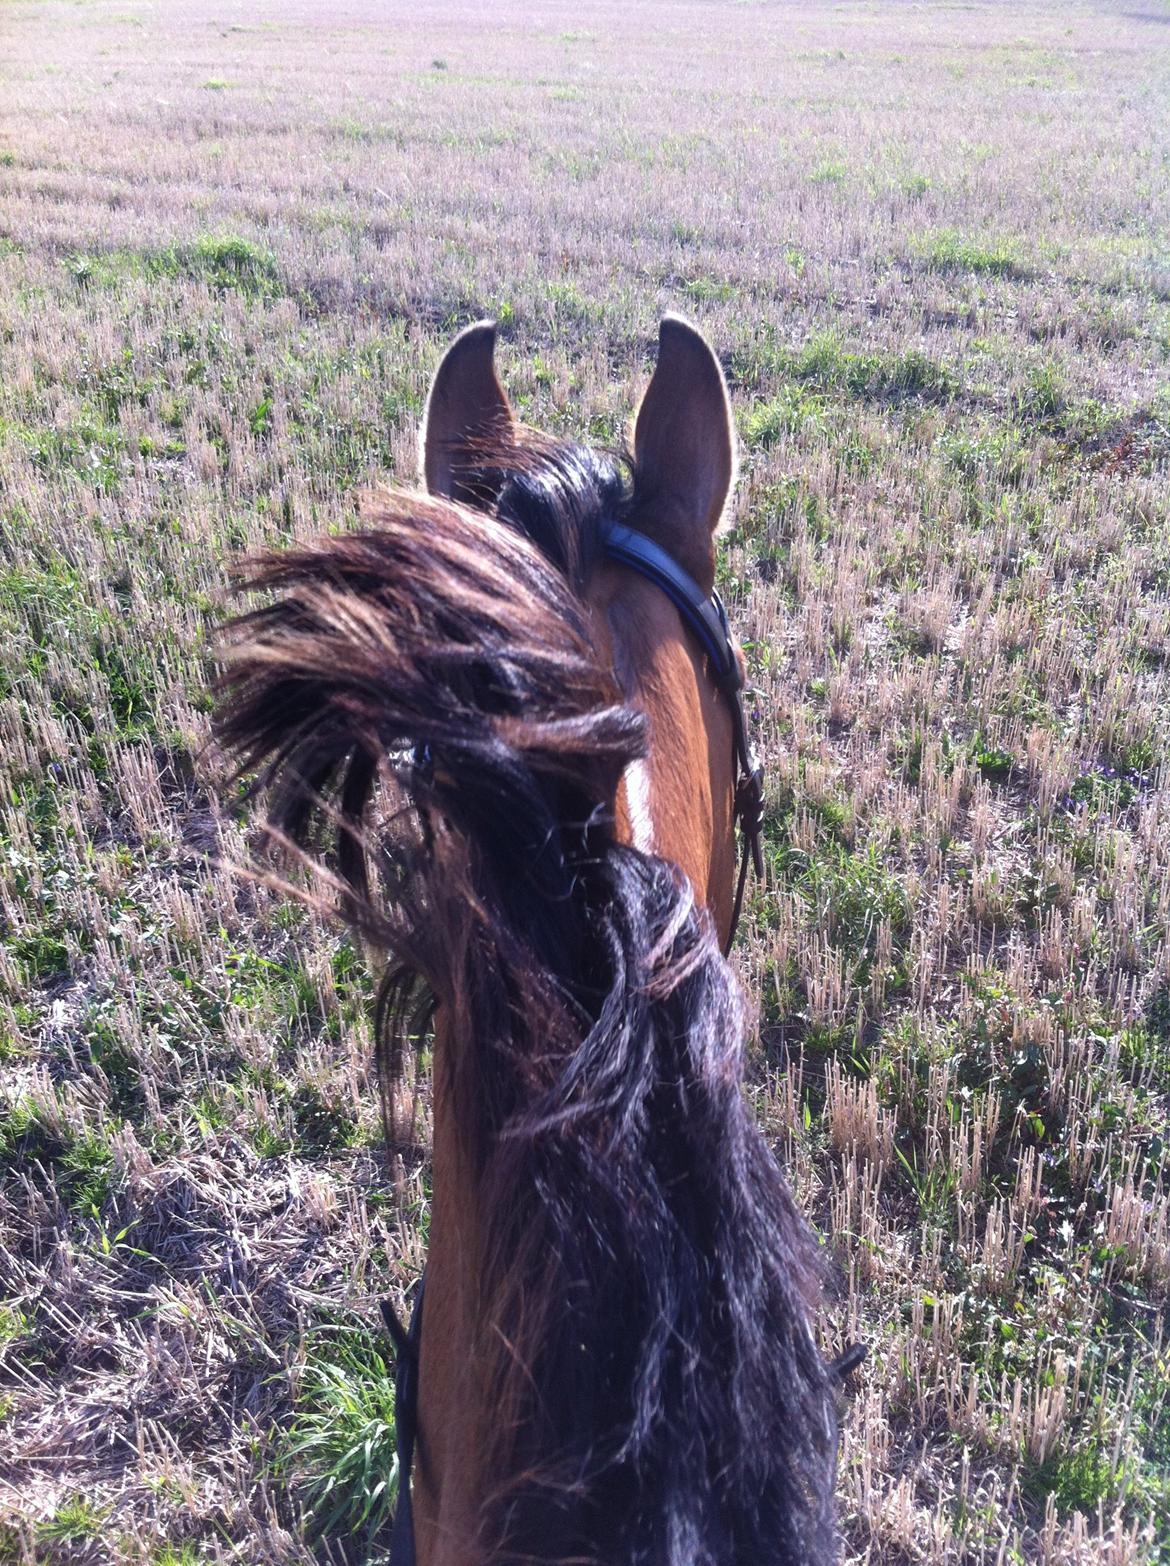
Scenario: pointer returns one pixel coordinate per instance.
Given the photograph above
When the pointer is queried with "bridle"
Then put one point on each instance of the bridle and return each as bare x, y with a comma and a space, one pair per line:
707, 619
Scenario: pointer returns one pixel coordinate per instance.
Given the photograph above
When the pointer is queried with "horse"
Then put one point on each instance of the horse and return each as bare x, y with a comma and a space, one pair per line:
487, 722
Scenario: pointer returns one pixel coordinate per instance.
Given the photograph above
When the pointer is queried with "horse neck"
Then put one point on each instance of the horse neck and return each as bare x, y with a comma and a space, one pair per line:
456, 1412
604, 1257
692, 828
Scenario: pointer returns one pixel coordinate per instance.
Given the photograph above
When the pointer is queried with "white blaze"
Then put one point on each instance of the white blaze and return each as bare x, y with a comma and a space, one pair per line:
637, 785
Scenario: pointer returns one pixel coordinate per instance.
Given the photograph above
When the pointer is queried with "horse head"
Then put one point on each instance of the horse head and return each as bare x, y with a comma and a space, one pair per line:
508, 715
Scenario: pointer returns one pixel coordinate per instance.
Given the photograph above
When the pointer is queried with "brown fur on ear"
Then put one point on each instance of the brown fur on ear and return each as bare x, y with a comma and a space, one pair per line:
684, 447
466, 404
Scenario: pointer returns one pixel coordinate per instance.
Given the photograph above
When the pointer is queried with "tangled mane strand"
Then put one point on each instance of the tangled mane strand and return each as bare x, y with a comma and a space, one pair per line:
657, 1396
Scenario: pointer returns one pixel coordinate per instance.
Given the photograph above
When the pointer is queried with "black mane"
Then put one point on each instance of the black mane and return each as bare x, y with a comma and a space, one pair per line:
559, 494
654, 1393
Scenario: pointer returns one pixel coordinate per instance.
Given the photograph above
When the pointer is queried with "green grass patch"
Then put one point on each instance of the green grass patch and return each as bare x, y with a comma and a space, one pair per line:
47, 610
14, 1325
117, 384
91, 447
1043, 398
824, 365
846, 895
1105, 790
340, 1453
109, 1054
850, 895
909, 373
981, 456
73, 1520
791, 412
829, 172
223, 261
83, 1174
42, 954
992, 760
31, 1134
283, 990
1078, 1478
946, 250
708, 290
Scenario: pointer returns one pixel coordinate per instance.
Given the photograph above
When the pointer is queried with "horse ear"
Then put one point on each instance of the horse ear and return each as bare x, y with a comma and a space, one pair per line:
466, 404
684, 446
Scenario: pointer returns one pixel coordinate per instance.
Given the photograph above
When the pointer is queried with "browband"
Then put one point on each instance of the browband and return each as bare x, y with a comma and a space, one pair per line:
706, 617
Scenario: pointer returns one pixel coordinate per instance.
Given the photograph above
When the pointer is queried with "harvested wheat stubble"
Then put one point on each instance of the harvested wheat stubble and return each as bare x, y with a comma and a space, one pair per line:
930, 243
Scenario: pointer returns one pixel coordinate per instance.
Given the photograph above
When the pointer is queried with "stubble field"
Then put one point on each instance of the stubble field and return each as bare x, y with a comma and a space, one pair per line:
930, 245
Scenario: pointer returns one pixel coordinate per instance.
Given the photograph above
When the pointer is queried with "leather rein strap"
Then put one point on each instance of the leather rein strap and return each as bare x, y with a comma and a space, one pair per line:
707, 619
406, 1353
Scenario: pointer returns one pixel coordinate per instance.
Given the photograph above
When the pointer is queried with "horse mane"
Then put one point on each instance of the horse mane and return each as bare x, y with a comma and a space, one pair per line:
426, 708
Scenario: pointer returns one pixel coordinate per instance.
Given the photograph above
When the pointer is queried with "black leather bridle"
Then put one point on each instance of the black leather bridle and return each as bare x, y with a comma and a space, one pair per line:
706, 618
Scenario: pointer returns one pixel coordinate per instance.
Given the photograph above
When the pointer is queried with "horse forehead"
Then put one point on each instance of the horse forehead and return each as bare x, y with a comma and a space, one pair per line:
677, 803
637, 625
659, 667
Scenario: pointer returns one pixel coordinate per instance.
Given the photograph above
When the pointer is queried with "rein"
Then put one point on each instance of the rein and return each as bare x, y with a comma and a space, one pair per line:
406, 1346
707, 619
